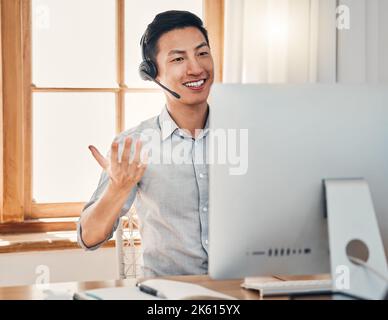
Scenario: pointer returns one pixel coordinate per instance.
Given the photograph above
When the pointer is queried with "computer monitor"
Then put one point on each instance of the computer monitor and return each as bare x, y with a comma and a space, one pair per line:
267, 214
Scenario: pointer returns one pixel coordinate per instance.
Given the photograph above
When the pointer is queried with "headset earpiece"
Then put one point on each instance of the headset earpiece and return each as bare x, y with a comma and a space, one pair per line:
147, 69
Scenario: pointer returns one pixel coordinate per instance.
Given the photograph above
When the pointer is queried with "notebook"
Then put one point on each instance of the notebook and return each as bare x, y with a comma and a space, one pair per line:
171, 290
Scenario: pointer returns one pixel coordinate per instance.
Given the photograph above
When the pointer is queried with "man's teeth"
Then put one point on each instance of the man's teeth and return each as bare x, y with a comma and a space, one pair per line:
195, 84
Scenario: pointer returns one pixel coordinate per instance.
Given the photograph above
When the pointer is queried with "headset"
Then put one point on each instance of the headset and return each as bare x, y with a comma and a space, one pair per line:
148, 70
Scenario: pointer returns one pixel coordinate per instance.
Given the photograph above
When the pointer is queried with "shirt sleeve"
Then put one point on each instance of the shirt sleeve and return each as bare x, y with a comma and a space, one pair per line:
102, 185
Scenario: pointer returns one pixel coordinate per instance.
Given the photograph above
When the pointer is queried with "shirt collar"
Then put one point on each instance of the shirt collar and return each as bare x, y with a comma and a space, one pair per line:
206, 128
168, 125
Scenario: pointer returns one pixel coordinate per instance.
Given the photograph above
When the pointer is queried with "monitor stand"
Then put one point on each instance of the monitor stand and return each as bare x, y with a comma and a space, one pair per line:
354, 232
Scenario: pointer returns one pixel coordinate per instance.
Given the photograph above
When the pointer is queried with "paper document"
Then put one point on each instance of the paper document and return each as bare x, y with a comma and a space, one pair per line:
115, 293
177, 290
172, 290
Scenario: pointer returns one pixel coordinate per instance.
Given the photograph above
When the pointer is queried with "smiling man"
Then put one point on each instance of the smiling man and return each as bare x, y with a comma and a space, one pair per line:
171, 197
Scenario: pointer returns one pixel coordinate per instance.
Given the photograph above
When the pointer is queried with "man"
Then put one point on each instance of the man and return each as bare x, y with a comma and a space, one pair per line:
171, 198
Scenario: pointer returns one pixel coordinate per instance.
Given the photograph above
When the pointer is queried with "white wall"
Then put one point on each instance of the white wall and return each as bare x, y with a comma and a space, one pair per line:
301, 43
362, 50
62, 265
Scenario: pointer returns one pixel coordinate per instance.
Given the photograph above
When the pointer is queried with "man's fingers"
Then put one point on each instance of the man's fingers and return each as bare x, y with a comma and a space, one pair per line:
144, 157
113, 154
99, 157
136, 157
140, 171
126, 150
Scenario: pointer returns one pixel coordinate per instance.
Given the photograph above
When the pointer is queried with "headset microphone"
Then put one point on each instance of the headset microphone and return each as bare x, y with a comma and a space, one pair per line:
149, 71
165, 88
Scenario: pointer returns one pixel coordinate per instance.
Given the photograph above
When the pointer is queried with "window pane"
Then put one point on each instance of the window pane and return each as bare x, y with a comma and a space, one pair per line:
142, 106
73, 43
64, 125
138, 14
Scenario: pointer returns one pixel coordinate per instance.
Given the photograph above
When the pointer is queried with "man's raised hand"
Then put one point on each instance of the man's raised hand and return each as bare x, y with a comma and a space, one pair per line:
124, 174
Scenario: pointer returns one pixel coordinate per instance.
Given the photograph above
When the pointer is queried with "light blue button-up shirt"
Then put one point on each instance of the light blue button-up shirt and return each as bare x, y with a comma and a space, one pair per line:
171, 200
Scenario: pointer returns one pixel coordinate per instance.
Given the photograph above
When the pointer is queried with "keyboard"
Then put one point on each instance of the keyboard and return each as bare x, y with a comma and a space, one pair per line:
280, 287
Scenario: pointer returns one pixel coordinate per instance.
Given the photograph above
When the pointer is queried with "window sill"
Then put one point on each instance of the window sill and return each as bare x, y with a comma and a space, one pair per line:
58, 240
38, 226
45, 235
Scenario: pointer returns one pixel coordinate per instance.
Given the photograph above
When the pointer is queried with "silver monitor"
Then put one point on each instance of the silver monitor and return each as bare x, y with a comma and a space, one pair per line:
271, 219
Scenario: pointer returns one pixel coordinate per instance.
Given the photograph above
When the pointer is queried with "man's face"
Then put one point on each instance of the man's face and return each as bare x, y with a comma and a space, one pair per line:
185, 65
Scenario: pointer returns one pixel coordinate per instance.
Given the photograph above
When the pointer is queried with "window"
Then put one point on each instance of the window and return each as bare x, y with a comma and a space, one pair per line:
75, 82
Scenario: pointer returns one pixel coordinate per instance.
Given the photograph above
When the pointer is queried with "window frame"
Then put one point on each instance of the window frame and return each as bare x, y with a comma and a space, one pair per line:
1, 125
16, 202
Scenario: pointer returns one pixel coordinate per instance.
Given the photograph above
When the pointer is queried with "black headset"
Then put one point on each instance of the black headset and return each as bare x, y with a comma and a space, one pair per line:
148, 69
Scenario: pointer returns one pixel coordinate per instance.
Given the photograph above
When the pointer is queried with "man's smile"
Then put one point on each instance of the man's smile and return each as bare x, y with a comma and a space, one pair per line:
195, 85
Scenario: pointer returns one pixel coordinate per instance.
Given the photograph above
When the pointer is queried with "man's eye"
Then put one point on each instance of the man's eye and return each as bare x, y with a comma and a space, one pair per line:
205, 53
177, 59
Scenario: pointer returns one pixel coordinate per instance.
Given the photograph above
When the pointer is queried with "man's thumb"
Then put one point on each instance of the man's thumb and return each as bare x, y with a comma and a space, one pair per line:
98, 156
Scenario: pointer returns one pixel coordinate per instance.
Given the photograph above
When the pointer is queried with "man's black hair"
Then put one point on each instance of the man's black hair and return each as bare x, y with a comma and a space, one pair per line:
165, 22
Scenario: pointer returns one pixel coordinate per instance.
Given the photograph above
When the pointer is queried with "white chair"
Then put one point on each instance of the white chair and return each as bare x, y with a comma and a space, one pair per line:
128, 247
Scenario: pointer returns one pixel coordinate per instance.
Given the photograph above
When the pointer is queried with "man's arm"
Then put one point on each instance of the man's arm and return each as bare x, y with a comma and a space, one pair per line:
98, 220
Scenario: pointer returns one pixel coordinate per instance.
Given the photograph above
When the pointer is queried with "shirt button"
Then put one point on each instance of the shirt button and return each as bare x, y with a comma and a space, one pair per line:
201, 175
204, 209
206, 241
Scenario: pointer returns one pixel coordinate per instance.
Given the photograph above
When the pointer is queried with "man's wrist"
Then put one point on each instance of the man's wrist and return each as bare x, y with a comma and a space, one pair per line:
118, 191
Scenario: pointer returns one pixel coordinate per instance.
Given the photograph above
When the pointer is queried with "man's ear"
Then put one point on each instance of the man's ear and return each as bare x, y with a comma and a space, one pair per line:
157, 78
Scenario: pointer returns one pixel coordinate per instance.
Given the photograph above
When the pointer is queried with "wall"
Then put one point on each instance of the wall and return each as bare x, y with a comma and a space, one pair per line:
362, 50
63, 265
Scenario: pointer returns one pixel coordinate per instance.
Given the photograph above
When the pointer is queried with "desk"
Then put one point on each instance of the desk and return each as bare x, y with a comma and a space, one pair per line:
35, 292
